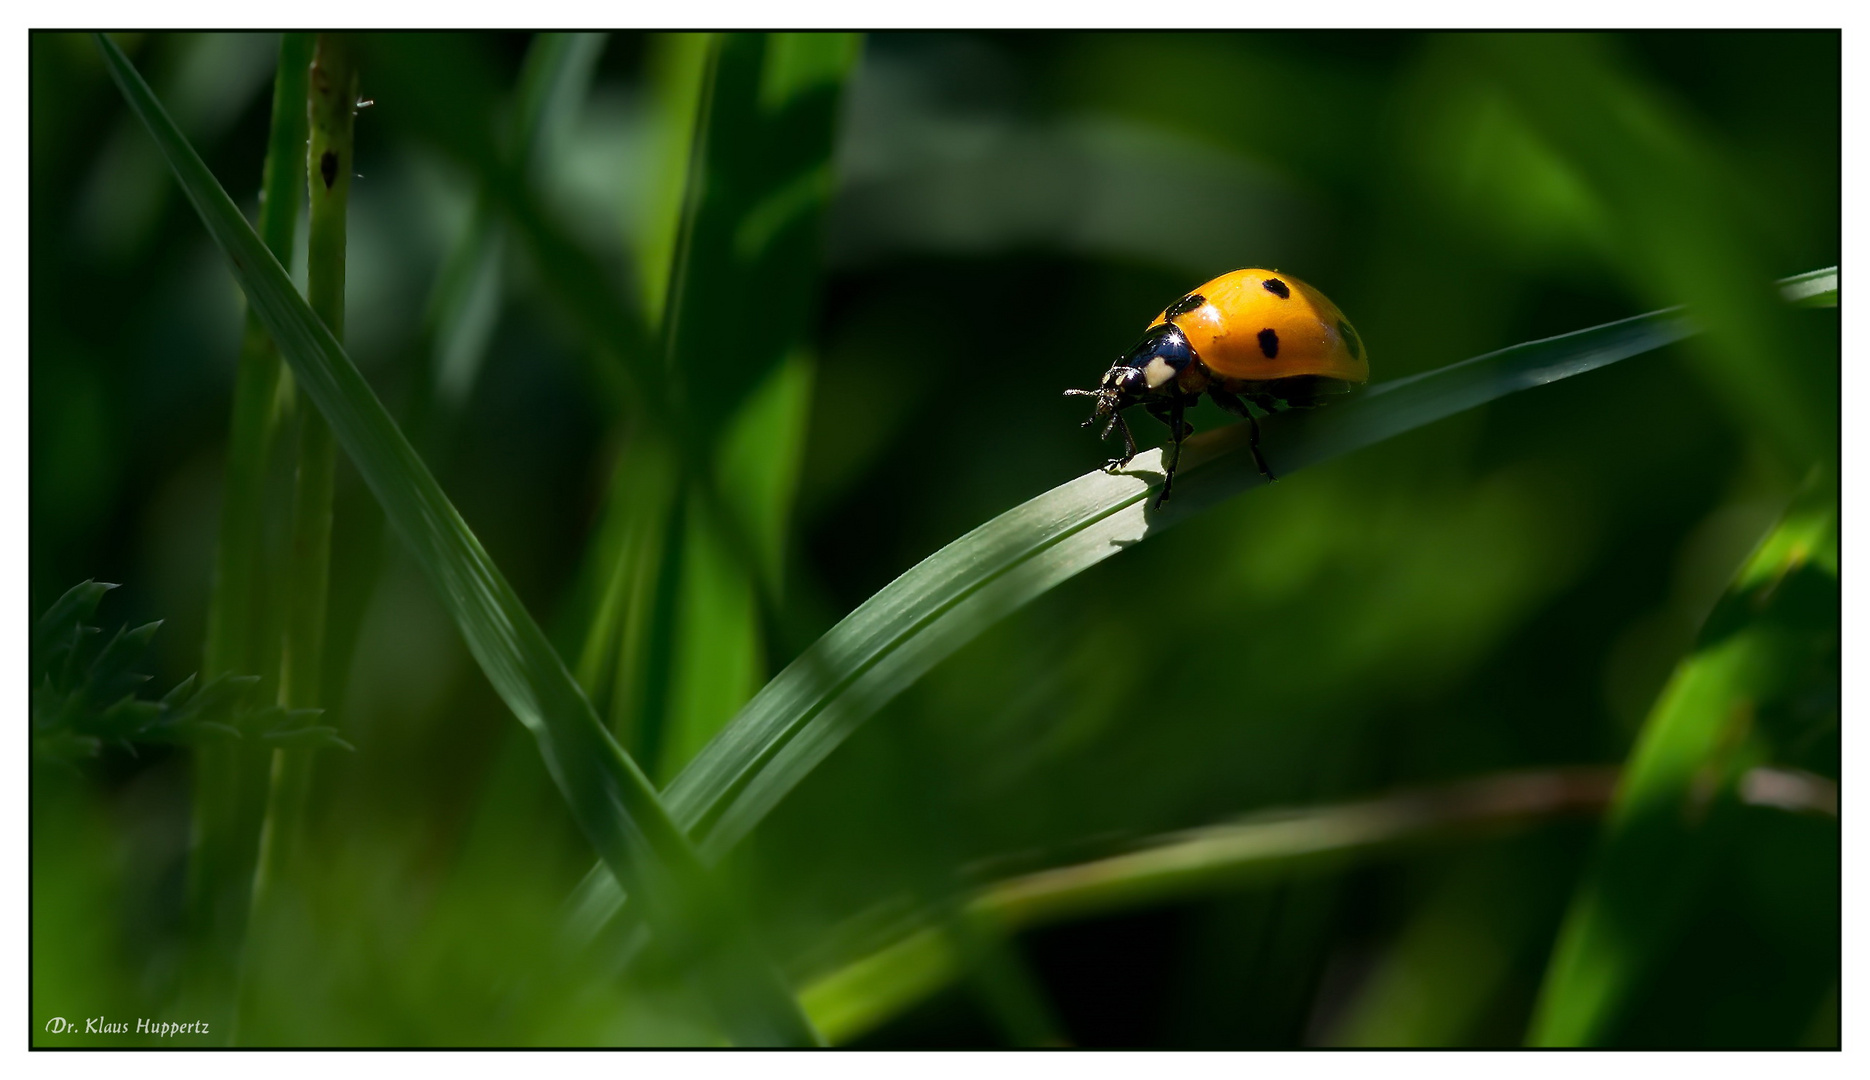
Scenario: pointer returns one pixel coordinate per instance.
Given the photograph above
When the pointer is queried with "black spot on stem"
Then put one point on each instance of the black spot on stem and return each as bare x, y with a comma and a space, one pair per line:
328, 168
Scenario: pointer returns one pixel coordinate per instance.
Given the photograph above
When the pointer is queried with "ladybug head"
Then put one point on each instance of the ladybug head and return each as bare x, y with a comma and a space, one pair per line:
1147, 370
1121, 386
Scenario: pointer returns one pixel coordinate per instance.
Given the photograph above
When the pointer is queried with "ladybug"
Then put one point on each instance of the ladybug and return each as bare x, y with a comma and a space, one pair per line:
1248, 336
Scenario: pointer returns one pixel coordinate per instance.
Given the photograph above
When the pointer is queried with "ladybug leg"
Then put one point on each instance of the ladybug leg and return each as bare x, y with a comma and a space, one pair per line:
1238, 407
1129, 441
1170, 413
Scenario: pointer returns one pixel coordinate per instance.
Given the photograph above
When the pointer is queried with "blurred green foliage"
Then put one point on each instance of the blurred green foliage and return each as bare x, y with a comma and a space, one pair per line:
1507, 589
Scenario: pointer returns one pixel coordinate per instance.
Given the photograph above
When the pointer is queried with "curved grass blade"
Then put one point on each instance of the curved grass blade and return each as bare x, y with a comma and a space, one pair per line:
613, 802
940, 604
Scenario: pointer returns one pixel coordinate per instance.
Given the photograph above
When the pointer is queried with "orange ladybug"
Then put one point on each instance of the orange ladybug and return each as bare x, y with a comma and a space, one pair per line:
1252, 335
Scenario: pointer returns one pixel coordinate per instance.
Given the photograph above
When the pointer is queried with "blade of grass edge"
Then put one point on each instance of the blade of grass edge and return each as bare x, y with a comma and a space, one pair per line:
613, 803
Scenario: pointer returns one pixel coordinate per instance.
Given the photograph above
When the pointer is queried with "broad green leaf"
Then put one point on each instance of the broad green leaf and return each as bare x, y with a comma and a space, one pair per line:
1705, 730
940, 604
612, 801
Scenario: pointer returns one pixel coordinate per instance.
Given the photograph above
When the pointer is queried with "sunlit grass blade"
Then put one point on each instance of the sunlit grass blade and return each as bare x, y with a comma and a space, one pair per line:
940, 604
1708, 726
609, 797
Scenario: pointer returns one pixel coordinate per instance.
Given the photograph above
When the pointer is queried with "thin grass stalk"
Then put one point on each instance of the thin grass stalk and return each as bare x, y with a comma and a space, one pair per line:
243, 617
331, 110
614, 804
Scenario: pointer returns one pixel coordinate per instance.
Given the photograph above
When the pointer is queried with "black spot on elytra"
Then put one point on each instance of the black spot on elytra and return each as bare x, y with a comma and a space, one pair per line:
1277, 288
328, 168
1269, 343
1350, 338
1187, 304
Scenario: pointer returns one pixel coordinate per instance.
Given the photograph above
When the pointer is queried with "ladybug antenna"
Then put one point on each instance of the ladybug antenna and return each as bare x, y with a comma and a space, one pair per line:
1106, 406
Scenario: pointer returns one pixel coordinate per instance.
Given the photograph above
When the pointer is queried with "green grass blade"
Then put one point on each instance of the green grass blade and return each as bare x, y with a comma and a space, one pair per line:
612, 801
758, 184
234, 606
923, 616
331, 107
1703, 732
633, 565
678, 65
860, 995
244, 607
953, 595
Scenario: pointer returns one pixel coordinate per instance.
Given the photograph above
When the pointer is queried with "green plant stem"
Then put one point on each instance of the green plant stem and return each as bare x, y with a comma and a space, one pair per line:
243, 615
331, 111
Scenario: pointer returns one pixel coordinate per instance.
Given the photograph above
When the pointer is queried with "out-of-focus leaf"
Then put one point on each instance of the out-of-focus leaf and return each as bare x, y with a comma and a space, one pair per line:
611, 799
1701, 736
84, 694
466, 302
